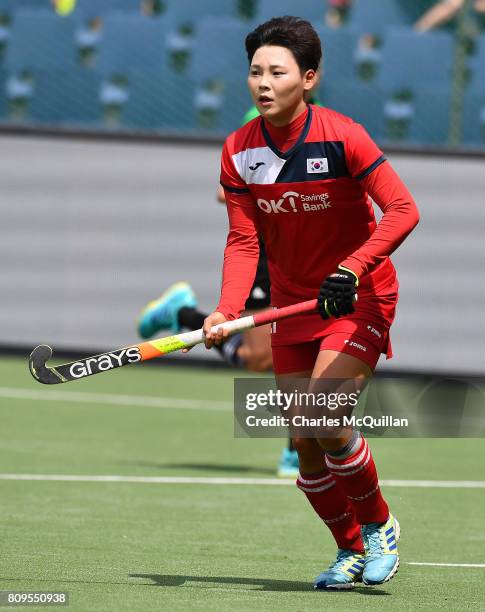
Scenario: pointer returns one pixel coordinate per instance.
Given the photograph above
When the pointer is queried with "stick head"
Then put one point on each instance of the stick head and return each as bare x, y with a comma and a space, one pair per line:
37, 365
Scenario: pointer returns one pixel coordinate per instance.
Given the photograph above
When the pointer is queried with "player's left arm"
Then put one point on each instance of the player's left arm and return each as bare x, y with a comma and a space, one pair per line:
399, 219
368, 165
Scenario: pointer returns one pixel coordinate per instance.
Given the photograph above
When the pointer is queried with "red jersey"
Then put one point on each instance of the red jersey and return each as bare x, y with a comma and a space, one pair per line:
310, 203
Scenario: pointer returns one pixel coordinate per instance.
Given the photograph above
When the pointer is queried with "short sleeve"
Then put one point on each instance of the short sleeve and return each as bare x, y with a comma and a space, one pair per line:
362, 154
230, 178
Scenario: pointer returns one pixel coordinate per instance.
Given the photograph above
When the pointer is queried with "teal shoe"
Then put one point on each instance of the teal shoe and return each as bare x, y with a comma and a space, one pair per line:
163, 312
343, 573
382, 557
289, 465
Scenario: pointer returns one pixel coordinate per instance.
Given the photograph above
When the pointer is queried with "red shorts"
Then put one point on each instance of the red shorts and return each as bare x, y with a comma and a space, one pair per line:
364, 334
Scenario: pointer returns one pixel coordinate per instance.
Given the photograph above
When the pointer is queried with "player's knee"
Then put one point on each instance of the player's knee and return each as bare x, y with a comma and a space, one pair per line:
307, 448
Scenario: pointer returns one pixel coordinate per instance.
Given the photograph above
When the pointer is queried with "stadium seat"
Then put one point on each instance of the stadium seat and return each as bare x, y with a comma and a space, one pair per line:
33, 4
474, 118
374, 16
236, 101
3, 98
412, 60
9, 7
339, 48
363, 103
313, 10
40, 39
420, 118
159, 100
477, 83
131, 42
188, 12
430, 121
218, 50
89, 9
4, 38
68, 97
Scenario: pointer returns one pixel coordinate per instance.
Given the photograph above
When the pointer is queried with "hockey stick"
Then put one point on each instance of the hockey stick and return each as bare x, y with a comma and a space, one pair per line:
148, 350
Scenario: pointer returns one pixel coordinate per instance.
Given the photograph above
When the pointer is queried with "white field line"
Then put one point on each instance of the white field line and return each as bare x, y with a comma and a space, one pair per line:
435, 484
231, 481
447, 564
212, 480
46, 395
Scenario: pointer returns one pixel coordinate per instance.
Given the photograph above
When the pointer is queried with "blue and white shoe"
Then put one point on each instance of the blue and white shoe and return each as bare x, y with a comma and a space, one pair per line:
289, 464
381, 554
343, 573
163, 312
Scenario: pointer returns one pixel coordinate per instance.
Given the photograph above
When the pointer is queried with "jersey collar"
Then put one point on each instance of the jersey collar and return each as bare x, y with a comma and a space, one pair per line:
298, 143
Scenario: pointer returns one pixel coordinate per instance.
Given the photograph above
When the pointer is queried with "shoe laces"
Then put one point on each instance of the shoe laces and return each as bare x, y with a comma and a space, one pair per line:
342, 556
372, 539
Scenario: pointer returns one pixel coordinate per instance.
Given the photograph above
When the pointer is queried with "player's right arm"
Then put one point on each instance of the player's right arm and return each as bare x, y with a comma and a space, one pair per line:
242, 249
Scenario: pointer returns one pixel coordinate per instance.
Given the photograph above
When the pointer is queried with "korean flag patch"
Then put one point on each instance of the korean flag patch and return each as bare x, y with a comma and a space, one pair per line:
317, 166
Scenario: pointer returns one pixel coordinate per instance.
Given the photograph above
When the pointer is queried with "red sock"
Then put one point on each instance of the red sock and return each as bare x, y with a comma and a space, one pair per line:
357, 476
332, 506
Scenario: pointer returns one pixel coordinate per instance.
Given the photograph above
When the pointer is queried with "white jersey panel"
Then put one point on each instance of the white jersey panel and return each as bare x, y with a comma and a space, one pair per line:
259, 166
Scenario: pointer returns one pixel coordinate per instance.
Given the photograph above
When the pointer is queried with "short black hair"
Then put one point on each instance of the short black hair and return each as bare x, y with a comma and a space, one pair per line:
294, 33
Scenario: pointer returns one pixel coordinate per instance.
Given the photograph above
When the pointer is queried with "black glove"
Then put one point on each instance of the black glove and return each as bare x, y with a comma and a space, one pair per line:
338, 294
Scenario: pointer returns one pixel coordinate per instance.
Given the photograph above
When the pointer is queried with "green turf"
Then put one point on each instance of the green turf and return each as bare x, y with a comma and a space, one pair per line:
124, 546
